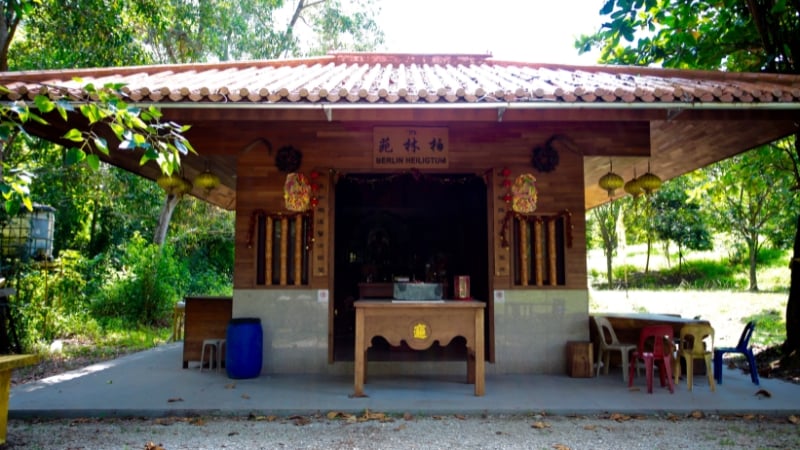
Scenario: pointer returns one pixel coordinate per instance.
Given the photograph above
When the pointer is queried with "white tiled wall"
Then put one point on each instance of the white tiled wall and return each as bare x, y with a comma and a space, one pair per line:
531, 331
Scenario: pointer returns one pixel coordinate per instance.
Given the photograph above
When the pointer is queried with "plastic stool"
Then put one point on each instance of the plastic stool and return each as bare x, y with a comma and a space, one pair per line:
215, 347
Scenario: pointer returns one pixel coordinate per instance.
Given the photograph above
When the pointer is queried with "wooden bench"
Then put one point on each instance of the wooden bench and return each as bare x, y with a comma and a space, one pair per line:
7, 364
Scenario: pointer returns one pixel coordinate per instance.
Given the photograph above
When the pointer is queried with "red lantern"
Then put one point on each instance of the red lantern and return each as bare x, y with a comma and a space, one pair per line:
506, 172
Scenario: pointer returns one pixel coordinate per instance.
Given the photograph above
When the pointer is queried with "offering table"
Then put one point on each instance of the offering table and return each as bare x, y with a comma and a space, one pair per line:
419, 324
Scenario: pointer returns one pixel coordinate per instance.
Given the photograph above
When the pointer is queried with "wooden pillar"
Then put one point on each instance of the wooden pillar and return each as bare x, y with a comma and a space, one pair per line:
284, 250
268, 250
537, 241
523, 252
551, 250
298, 249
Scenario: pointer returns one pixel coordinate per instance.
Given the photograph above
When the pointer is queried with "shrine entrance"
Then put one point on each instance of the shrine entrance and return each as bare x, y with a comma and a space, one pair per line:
421, 227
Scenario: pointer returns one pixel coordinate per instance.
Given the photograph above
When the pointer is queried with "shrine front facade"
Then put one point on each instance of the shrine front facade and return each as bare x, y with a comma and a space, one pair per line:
352, 172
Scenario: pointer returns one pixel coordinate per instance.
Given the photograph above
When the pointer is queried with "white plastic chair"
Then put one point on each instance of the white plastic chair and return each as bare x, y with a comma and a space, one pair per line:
609, 343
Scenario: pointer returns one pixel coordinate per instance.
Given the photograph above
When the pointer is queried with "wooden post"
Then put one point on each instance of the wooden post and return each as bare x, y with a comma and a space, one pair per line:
523, 252
268, 251
537, 240
298, 249
551, 250
284, 250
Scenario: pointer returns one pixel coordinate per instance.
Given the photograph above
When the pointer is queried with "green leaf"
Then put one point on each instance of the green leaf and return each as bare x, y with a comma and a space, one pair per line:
92, 112
93, 161
43, 104
74, 156
73, 135
101, 145
147, 156
26, 200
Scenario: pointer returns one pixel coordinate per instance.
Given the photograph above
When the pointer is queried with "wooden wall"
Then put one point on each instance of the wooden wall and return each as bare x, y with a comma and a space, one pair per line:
484, 148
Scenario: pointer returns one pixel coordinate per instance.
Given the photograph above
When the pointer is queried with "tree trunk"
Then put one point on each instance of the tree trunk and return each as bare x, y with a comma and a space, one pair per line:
170, 201
792, 343
609, 271
753, 249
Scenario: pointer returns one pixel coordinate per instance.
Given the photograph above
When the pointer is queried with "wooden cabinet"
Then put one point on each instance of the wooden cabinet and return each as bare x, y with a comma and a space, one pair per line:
206, 318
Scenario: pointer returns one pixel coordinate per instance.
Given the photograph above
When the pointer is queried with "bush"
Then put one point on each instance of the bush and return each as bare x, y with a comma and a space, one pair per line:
50, 302
693, 274
144, 291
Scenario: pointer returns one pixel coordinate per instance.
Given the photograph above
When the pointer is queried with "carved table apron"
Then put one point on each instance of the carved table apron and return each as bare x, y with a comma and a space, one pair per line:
419, 324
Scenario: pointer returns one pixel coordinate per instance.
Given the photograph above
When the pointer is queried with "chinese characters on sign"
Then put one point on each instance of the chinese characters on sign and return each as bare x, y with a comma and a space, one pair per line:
421, 331
410, 148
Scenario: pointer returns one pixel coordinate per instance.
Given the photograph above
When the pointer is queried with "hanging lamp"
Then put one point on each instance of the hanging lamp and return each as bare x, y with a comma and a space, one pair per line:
649, 181
611, 181
634, 186
207, 180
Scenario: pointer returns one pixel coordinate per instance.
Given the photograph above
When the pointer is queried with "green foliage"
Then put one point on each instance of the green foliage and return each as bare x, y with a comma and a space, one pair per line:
770, 328
50, 300
678, 219
133, 127
694, 274
145, 290
698, 34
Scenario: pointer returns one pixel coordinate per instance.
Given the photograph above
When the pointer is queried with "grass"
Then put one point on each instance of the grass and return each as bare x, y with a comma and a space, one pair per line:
710, 270
771, 329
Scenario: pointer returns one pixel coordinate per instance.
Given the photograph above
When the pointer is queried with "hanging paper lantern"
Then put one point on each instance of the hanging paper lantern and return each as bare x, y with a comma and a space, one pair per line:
524, 195
611, 182
297, 192
634, 187
207, 181
184, 187
649, 183
169, 182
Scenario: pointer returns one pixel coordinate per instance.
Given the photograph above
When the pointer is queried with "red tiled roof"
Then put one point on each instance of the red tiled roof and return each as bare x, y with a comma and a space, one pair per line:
369, 78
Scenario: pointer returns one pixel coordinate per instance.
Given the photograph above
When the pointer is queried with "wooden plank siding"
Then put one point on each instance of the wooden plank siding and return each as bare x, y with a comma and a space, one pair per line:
332, 149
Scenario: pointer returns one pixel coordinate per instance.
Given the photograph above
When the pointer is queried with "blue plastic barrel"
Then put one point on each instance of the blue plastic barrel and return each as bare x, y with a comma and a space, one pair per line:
244, 343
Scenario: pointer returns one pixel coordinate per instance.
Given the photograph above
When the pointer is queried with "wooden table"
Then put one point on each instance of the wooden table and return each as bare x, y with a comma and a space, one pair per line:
419, 324
628, 326
7, 364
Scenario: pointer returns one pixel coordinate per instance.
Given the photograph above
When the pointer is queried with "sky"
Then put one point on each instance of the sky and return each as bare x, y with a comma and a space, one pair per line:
522, 30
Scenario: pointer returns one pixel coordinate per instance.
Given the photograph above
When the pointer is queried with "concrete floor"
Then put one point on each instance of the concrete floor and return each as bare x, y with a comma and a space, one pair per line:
153, 384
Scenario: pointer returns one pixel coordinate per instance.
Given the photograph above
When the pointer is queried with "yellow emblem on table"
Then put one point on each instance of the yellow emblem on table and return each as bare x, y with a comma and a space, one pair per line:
421, 331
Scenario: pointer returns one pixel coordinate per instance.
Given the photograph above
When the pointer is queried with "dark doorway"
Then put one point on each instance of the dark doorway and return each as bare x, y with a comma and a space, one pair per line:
423, 227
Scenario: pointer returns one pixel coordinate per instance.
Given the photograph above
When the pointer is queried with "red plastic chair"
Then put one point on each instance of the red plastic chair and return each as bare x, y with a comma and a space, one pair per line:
656, 345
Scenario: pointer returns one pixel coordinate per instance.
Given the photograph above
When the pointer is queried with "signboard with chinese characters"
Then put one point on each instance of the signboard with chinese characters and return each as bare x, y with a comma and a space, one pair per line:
410, 148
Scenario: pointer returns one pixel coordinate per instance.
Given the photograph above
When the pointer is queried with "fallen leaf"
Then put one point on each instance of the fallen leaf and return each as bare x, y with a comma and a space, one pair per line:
696, 414
619, 417
794, 419
233, 433
763, 393
245, 396
402, 426
300, 420
560, 447
174, 399
408, 416
197, 421
230, 386
590, 427
152, 446
332, 415
461, 417
540, 425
